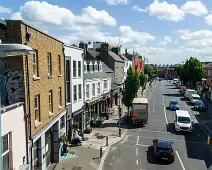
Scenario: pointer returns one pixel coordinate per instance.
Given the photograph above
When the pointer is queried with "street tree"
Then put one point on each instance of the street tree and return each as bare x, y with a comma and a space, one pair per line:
143, 81
131, 85
152, 72
192, 71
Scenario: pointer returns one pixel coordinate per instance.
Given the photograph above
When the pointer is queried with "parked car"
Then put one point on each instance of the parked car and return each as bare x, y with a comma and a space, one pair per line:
163, 150
182, 89
174, 105
194, 98
200, 106
188, 92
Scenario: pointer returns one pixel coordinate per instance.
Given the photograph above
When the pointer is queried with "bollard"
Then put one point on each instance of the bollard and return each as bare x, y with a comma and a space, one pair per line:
106, 140
119, 132
209, 140
100, 152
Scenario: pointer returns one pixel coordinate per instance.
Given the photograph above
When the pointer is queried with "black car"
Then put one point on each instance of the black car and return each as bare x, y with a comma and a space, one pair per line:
200, 106
162, 150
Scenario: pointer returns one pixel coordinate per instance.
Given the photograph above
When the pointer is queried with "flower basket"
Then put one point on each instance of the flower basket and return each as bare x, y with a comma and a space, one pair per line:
88, 130
75, 125
64, 139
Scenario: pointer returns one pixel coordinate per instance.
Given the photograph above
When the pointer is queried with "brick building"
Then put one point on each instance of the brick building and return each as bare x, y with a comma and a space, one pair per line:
44, 98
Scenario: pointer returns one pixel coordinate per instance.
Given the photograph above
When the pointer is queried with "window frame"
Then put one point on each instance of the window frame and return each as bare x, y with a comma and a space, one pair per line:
79, 68
99, 88
93, 90
87, 91
37, 115
74, 69
59, 65
105, 88
80, 91
50, 101
75, 92
7, 152
60, 97
49, 64
68, 82
35, 63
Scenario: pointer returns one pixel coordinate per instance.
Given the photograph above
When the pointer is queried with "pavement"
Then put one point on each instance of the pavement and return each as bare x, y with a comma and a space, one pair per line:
89, 152
191, 150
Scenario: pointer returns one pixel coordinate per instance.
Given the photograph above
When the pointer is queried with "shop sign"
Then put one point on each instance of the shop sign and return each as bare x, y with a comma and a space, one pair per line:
93, 102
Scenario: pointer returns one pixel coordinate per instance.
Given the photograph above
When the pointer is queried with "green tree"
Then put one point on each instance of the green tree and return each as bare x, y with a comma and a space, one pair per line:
192, 71
131, 85
143, 81
151, 71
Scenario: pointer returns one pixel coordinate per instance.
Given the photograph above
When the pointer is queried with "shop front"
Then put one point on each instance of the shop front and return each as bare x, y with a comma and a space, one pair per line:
78, 118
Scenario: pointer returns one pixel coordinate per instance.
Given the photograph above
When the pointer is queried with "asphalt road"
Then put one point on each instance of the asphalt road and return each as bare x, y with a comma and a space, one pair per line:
191, 150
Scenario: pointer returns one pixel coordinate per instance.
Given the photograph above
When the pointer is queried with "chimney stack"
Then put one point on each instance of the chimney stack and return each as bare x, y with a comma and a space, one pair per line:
125, 51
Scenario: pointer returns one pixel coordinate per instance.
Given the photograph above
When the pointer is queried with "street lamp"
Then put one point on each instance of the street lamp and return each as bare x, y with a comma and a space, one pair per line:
7, 50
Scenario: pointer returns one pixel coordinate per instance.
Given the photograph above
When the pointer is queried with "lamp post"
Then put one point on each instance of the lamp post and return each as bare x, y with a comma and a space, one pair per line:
120, 111
7, 50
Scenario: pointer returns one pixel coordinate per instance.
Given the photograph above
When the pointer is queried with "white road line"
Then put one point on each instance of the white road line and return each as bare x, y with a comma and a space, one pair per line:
137, 139
150, 131
137, 162
165, 115
136, 152
153, 110
180, 160
142, 145
115, 148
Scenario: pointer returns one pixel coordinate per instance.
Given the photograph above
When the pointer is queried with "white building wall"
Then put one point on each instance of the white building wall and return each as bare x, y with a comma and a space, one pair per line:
13, 122
127, 65
76, 54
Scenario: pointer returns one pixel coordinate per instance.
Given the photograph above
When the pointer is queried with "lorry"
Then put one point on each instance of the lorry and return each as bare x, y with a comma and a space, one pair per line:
139, 111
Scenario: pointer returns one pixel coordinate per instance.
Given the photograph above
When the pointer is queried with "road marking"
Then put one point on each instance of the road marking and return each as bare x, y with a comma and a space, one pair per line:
163, 97
136, 152
114, 148
137, 162
153, 110
165, 115
142, 145
137, 139
153, 131
180, 160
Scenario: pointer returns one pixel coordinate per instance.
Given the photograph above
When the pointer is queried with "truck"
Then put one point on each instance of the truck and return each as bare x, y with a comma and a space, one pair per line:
139, 111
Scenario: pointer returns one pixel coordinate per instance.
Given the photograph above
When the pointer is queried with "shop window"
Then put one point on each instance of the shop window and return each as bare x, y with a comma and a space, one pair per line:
36, 155
6, 152
62, 122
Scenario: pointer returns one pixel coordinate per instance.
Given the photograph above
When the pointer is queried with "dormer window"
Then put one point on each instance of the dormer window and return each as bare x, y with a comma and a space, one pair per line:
95, 66
85, 66
91, 66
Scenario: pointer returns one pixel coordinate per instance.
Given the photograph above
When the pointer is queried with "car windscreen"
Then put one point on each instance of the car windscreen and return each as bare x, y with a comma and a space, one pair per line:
195, 97
174, 103
186, 120
199, 104
167, 150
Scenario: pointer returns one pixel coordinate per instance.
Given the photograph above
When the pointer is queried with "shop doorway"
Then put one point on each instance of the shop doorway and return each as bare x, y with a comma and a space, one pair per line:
48, 147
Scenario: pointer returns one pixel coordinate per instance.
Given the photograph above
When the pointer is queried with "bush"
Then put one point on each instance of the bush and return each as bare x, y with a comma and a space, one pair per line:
75, 125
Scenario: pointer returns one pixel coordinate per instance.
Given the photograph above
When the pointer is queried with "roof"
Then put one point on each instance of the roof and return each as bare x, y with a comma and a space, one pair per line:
125, 58
209, 65
195, 95
115, 56
106, 69
95, 75
140, 100
164, 143
93, 53
183, 113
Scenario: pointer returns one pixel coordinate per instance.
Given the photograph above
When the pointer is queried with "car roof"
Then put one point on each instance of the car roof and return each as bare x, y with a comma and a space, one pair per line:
195, 95
173, 101
190, 90
183, 113
164, 143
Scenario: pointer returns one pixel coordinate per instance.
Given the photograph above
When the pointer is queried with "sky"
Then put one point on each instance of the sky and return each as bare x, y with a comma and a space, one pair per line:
164, 32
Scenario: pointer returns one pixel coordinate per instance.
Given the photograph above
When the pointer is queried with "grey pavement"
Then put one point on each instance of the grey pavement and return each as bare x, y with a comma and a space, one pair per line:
191, 150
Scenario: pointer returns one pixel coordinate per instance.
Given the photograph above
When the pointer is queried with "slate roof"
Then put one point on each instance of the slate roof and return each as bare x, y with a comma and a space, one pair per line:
106, 69
115, 56
95, 75
93, 53
209, 65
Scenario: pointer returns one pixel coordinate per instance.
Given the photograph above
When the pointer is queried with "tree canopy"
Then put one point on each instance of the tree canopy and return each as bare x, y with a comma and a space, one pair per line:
131, 85
143, 81
151, 71
192, 71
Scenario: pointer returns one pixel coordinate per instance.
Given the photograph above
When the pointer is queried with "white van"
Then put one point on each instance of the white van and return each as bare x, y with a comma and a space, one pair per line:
175, 81
182, 121
188, 92
194, 98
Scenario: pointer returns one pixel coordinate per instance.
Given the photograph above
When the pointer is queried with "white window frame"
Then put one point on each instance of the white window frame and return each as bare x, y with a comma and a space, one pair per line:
49, 64
75, 69
87, 91
105, 88
79, 68
80, 91
37, 109
75, 92
93, 90
7, 152
99, 88
50, 101
35, 63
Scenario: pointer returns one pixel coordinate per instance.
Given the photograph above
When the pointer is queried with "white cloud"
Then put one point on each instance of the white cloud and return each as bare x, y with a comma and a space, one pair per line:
5, 10
166, 41
196, 8
208, 19
171, 12
45, 13
127, 36
117, 2
137, 8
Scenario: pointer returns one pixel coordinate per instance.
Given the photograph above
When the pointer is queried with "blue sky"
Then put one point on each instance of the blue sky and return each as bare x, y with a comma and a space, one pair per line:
165, 32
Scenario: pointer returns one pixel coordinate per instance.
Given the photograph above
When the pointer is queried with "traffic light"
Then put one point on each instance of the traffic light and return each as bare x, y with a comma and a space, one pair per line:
120, 111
